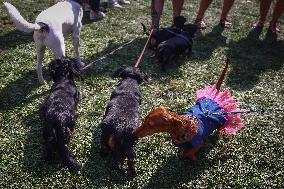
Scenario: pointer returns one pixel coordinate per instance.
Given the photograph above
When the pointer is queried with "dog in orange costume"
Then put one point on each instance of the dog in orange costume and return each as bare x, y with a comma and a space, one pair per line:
189, 129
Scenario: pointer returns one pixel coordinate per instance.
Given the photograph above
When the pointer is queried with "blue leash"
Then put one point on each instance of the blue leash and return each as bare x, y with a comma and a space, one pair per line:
262, 111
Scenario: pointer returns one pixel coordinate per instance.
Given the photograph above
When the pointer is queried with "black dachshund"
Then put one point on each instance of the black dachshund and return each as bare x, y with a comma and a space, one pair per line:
168, 51
121, 117
58, 110
167, 33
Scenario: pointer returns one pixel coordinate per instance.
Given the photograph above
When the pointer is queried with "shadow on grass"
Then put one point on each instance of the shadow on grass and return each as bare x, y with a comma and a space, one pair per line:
128, 57
250, 57
33, 161
173, 172
14, 38
100, 171
204, 45
16, 93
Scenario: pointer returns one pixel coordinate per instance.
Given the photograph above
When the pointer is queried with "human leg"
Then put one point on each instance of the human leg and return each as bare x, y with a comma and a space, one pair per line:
177, 7
95, 13
204, 4
156, 12
278, 9
227, 5
263, 10
114, 4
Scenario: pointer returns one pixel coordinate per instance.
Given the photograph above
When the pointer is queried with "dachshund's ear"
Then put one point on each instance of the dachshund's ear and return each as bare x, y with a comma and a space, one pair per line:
174, 118
117, 73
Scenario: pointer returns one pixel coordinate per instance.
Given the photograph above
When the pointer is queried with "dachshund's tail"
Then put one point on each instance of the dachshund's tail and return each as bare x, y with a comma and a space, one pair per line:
222, 77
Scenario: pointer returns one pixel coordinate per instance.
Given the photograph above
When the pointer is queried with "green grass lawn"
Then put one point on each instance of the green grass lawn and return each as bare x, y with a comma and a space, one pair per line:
253, 158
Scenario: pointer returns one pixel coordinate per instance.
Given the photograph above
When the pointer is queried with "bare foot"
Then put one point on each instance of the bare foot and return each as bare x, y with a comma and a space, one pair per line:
225, 23
200, 24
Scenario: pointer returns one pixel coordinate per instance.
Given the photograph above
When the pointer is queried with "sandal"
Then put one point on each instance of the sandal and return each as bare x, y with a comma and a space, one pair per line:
258, 25
273, 28
200, 24
225, 23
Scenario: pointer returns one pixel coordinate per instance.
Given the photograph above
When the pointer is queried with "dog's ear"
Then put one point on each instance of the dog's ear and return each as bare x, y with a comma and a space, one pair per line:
117, 73
75, 69
173, 117
53, 68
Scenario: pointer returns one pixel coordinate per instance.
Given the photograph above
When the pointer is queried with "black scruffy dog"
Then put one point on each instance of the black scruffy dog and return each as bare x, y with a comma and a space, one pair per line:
169, 50
58, 111
121, 117
167, 33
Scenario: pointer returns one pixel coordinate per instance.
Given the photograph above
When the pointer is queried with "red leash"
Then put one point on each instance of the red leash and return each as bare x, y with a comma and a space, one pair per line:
143, 51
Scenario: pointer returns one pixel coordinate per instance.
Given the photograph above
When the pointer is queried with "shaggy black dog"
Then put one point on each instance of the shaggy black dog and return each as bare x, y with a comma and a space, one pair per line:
58, 111
169, 50
121, 117
167, 33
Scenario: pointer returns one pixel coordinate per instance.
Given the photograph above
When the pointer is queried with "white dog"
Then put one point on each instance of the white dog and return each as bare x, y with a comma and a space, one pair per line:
50, 27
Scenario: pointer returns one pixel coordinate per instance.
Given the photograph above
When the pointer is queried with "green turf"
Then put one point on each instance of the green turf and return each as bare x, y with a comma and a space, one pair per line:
253, 158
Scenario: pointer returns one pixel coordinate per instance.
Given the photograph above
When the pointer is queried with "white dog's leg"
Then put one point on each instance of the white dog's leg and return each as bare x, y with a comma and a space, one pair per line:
56, 43
40, 49
76, 44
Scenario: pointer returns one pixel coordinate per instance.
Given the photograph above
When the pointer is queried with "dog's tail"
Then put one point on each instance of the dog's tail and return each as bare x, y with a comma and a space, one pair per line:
19, 21
222, 77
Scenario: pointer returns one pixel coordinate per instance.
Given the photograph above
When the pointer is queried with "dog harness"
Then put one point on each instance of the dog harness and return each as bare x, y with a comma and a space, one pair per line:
209, 111
189, 42
207, 123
